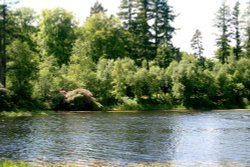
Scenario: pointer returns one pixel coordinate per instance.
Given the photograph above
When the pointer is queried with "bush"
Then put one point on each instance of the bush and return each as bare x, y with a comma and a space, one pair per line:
5, 99
76, 100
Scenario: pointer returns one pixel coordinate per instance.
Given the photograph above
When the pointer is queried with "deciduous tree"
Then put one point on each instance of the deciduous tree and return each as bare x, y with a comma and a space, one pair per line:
57, 34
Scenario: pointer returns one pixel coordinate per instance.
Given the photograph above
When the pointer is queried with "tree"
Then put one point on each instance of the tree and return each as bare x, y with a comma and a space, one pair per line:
5, 99
103, 37
123, 72
149, 22
45, 83
236, 26
146, 83
97, 8
222, 22
196, 44
57, 34
3, 45
21, 70
104, 75
81, 69
127, 14
162, 16
23, 24
241, 80
192, 87
247, 42
144, 48
246, 18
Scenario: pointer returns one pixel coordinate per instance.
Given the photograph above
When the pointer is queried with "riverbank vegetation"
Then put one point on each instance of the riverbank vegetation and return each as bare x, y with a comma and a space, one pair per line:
129, 60
106, 164
14, 164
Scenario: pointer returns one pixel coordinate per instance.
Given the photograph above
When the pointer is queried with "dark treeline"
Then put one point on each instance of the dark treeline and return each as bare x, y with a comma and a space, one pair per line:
128, 60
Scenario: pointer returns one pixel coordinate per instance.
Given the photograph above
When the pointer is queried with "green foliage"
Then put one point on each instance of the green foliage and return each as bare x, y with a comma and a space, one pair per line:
242, 76
97, 8
127, 13
191, 86
5, 99
45, 85
24, 29
223, 22
57, 34
147, 83
103, 37
81, 69
149, 22
134, 65
164, 56
105, 78
196, 44
14, 164
224, 81
21, 71
122, 74
236, 26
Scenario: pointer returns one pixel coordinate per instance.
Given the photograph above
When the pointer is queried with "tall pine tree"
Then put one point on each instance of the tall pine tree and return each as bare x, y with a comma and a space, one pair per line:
127, 13
246, 18
236, 26
196, 44
97, 8
223, 22
142, 30
149, 21
162, 16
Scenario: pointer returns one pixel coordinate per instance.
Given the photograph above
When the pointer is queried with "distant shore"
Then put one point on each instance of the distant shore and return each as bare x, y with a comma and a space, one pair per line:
47, 113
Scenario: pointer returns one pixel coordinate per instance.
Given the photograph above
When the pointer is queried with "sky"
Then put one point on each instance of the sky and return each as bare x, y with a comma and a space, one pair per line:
192, 15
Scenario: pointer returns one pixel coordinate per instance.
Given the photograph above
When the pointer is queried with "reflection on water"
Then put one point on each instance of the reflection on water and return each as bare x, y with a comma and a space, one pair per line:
125, 138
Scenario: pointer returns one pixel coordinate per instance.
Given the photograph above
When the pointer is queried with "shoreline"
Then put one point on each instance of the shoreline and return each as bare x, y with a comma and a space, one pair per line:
50, 112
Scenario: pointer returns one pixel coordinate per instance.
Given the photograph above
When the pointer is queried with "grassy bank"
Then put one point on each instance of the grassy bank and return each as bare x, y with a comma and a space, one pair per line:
143, 107
139, 164
23, 113
117, 108
14, 164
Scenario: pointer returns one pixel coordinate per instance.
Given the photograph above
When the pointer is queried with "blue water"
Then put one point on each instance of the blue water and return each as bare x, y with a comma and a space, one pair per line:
205, 137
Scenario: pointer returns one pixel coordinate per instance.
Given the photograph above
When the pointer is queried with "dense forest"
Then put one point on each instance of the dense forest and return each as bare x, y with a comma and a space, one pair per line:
50, 61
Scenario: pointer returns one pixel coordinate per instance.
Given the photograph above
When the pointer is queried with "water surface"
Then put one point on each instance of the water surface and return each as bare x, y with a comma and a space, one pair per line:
123, 138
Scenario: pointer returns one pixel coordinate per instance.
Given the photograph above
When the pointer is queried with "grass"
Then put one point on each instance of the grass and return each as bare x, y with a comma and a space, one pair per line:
144, 107
139, 164
14, 164
21, 113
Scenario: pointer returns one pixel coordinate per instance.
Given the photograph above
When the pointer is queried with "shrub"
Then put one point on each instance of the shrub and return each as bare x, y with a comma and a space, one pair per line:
76, 100
5, 99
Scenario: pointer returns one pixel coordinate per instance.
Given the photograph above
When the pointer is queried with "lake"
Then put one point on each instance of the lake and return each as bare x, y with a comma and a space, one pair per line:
128, 137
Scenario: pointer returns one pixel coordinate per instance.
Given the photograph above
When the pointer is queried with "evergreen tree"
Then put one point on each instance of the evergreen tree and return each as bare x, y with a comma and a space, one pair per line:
222, 22
3, 44
127, 13
236, 25
162, 16
247, 42
144, 48
196, 44
97, 8
246, 18
4, 36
